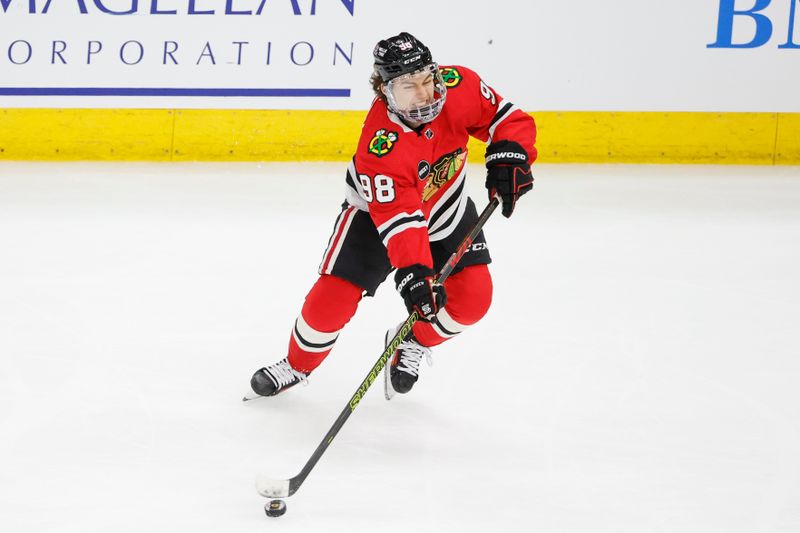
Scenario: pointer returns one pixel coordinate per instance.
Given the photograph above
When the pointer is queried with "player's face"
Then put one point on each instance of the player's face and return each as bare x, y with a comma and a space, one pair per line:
414, 90
417, 97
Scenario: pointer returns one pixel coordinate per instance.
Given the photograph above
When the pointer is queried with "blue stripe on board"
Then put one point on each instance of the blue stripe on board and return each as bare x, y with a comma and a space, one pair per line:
131, 91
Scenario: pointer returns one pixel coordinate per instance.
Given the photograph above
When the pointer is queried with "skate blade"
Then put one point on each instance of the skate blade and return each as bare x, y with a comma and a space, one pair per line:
251, 396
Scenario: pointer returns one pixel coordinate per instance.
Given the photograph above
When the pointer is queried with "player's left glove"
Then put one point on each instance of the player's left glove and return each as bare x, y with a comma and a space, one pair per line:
416, 285
508, 174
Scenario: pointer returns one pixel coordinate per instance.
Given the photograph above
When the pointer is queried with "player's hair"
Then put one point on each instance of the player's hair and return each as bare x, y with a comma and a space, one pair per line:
376, 81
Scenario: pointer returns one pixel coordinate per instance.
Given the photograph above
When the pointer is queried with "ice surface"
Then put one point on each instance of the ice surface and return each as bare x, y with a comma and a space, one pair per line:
639, 370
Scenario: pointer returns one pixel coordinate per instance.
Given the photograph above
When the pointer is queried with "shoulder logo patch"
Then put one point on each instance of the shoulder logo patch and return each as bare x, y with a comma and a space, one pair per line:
451, 77
382, 143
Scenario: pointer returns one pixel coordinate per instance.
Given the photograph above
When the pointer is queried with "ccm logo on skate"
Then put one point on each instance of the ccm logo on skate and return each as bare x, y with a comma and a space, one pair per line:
503, 155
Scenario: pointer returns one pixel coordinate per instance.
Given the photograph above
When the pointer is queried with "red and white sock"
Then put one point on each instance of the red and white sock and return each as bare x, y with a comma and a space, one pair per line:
330, 305
469, 295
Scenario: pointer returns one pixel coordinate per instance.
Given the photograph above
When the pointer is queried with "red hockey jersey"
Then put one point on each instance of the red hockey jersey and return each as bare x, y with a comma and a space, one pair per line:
412, 181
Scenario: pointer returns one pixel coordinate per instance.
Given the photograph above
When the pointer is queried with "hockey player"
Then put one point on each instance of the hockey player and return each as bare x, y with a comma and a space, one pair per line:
407, 209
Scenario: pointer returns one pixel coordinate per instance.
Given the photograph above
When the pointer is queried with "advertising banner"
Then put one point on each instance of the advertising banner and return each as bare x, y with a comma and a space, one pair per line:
625, 55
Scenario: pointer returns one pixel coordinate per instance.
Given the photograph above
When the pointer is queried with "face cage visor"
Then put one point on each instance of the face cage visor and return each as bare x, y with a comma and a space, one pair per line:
424, 113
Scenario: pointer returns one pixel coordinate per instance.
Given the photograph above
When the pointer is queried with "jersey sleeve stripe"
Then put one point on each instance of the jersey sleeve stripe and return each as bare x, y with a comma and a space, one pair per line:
401, 229
354, 192
353, 198
400, 223
502, 114
400, 218
350, 177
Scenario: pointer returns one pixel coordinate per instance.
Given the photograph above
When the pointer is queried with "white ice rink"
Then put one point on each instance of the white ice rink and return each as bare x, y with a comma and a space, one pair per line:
639, 370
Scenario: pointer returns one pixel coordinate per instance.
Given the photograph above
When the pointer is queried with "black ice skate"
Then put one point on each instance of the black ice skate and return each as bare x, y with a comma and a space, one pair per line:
275, 378
402, 371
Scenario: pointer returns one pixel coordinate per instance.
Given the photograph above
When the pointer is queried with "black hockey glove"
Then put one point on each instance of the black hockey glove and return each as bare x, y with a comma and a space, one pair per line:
508, 173
415, 284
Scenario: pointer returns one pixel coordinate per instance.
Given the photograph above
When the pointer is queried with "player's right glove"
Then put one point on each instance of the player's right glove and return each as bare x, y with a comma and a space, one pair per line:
415, 284
508, 174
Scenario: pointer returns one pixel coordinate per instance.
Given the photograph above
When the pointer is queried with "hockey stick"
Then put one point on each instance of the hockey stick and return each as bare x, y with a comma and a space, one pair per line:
281, 488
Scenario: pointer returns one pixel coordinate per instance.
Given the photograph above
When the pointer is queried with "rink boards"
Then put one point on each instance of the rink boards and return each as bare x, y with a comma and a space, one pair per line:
298, 135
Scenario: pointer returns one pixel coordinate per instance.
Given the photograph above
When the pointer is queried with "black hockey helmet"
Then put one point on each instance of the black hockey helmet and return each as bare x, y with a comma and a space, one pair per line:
400, 58
398, 55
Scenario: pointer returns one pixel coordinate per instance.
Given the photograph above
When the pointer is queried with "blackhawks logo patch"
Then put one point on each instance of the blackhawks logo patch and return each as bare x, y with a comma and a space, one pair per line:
443, 171
451, 77
382, 143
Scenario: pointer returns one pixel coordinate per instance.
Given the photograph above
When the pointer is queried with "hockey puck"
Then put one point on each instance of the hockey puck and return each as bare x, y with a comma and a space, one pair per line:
275, 508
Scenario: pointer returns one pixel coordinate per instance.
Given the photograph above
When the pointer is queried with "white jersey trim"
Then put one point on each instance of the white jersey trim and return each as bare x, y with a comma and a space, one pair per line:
354, 193
353, 198
446, 196
438, 226
399, 223
445, 232
504, 110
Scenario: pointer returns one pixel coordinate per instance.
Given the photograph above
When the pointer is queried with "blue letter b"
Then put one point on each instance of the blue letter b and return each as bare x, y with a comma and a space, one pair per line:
727, 12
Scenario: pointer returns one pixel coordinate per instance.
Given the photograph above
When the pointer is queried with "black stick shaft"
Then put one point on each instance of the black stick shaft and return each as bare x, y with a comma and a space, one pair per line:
400, 336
